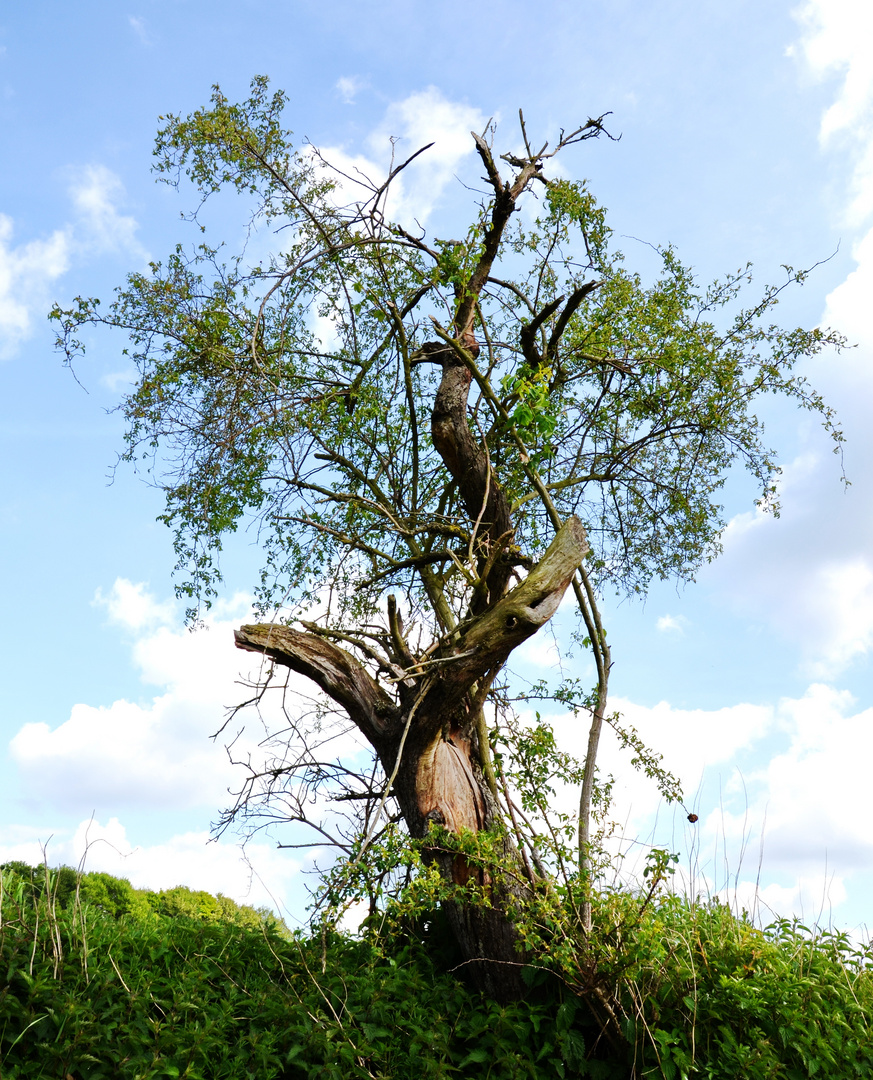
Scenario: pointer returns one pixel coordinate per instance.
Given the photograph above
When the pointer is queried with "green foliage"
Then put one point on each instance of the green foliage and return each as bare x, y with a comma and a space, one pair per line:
65, 889
699, 993
627, 401
180, 997
707, 994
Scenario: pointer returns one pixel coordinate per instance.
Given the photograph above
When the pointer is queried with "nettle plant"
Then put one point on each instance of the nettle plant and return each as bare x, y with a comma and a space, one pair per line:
491, 423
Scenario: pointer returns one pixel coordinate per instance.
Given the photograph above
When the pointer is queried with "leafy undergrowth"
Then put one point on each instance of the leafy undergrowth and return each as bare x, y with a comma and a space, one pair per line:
92, 990
703, 993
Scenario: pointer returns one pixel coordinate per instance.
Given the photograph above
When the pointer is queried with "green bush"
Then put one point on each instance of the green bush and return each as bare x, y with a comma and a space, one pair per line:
100, 988
704, 993
92, 995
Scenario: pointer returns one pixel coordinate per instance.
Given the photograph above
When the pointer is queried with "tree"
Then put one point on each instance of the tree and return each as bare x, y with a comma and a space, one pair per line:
484, 425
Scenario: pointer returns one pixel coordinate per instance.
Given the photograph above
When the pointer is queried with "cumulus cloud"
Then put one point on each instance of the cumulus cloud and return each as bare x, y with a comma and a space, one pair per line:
29, 268
805, 808
124, 754
100, 227
153, 752
540, 652
778, 833
837, 40
407, 126
817, 787
848, 306
808, 575
153, 760
157, 753
133, 607
424, 117
691, 741
790, 838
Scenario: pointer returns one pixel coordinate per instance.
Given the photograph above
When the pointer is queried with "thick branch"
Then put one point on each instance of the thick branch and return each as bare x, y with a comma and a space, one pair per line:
529, 332
333, 669
487, 643
528, 606
470, 468
505, 198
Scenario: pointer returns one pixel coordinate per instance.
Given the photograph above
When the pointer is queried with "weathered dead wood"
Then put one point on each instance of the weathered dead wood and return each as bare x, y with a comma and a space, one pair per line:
485, 645
334, 670
439, 777
467, 462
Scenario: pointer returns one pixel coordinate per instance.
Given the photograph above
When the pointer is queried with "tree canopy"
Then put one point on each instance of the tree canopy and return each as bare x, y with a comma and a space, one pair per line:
435, 438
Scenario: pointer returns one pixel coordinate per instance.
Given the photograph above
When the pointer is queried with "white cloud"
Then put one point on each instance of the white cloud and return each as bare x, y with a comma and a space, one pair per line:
408, 125
260, 875
811, 898
133, 754
158, 753
807, 808
691, 740
808, 575
118, 381
848, 306
812, 581
132, 607
540, 651
817, 789
838, 39
348, 88
845, 614
803, 814
26, 272
29, 269
671, 624
125, 755
100, 227
428, 116
419, 119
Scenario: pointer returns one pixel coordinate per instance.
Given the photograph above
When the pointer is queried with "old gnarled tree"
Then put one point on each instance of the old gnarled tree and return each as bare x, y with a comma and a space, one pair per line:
438, 440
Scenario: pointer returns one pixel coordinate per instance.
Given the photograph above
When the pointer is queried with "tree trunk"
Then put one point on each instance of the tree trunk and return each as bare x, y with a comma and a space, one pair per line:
429, 731
431, 738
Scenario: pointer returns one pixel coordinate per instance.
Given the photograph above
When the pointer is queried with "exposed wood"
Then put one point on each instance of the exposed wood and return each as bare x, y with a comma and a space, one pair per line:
487, 643
483, 498
333, 669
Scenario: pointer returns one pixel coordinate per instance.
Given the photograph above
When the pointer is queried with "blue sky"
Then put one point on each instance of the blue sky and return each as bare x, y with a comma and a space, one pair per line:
747, 134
